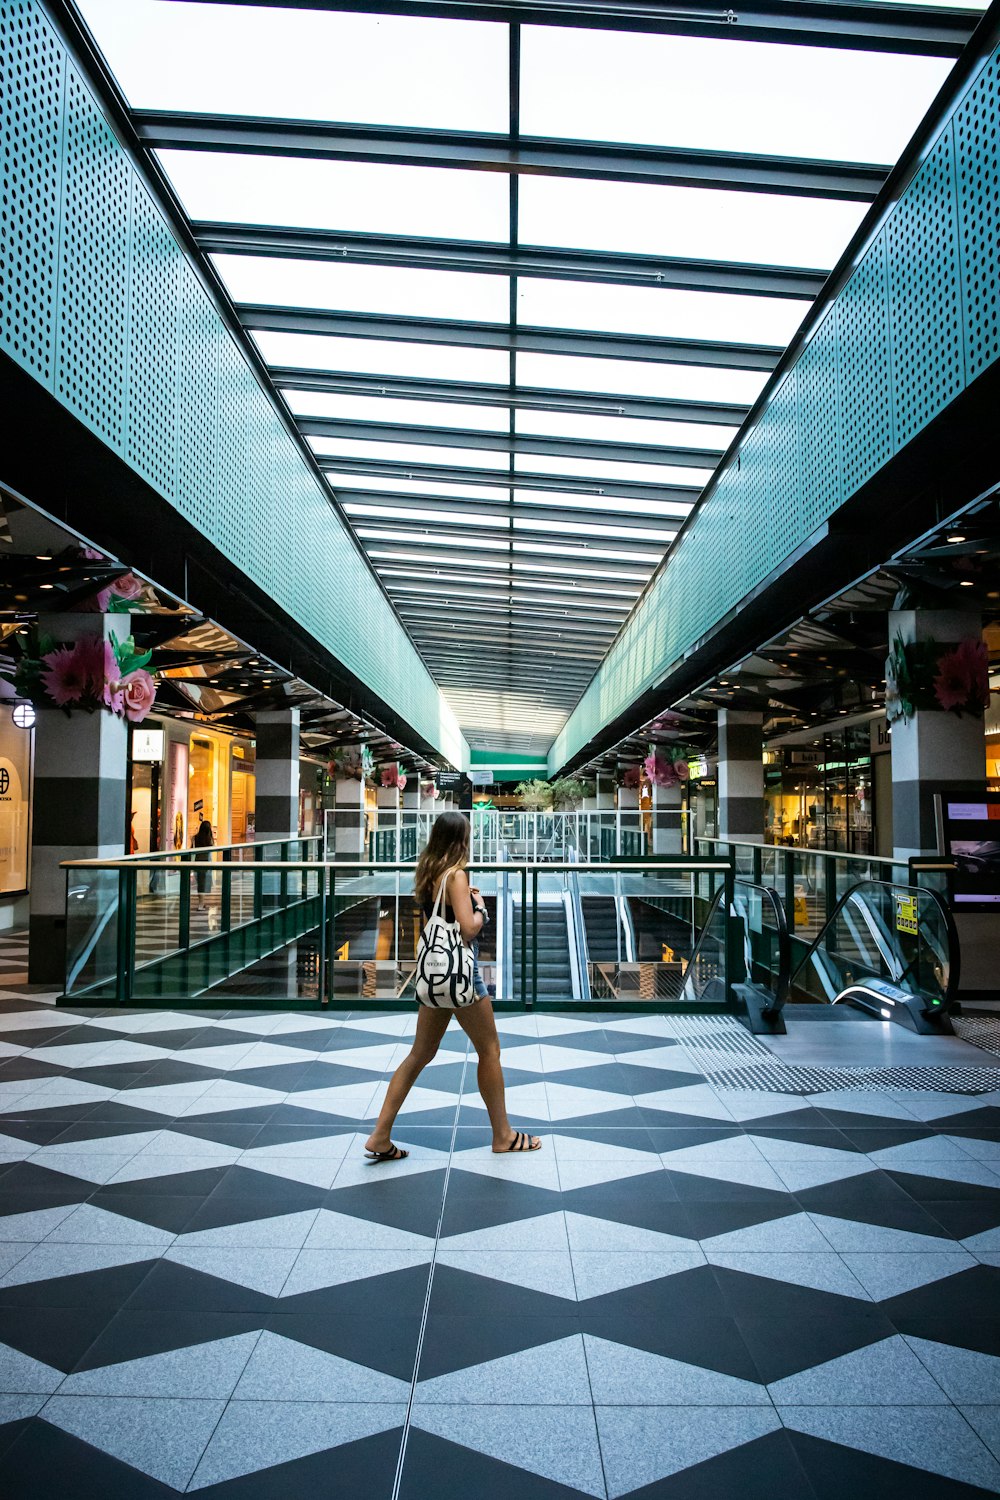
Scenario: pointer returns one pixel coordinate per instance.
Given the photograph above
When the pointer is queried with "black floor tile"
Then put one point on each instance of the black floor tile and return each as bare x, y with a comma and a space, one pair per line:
171, 1288
46, 1462
873, 1198
57, 1336
767, 1469
681, 1317
364, 1470
136, 1335
790, 1328
454, 1342
433, 1467
98, 1289
835, 1471
388, 1344
963, 1309
963, 1217
476, 1202
172, 1212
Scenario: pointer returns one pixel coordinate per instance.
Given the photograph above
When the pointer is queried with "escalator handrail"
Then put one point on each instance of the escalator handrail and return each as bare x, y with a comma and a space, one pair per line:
720, 895
783, 981
954, 952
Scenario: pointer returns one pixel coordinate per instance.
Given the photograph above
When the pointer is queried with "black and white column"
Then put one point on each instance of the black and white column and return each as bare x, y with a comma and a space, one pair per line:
79, 802
934, 751
277, 774
350, 822
668, 837
741, 776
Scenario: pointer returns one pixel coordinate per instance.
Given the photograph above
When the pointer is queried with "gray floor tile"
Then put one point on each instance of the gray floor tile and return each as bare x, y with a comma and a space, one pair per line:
206, 1371
281, 1369
556, 1442
936, 1438
22, 1375
599, 1272
262, 1270
257, 1435
553, 1374
163, 1438
965, 1375
319, 1268
824, 1271
986, 1422
642, 1444
623, 1376
278, 1232
891, 1273
549, 1271
885, 1373
45, 1261
90, 1225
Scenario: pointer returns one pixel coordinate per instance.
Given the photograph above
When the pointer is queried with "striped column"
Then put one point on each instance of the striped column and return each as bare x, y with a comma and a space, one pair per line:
667, 826
741, 776
934, 751
409, 816
350, 834
387, 803
277, 774
78, 804
629, 818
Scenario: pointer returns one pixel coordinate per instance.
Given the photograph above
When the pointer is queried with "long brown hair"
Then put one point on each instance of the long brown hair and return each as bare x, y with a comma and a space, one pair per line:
447, 847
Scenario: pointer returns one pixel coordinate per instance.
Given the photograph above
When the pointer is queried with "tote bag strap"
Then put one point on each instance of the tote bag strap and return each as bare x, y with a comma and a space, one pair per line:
442, 887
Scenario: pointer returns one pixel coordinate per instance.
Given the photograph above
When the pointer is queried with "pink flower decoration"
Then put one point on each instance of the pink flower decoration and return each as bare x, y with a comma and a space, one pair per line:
659, 769
681, 769
128, 586
401, 783
138, 695
66, 676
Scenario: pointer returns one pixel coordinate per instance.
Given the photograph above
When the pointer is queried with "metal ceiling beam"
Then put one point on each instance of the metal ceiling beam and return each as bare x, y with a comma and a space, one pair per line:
524, 340
516, 545
667, 166
931, 31
548, 526
551, 617
502, 442
412, 598
438, 474
454, 556
525, 507
522, 398
500, 259
559, 587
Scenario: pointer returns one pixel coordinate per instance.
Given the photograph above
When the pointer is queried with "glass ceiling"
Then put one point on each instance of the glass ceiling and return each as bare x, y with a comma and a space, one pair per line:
517, 374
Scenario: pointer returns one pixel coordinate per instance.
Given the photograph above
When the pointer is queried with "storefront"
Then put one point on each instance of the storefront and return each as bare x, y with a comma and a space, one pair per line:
16, 737
820, 796
176, 772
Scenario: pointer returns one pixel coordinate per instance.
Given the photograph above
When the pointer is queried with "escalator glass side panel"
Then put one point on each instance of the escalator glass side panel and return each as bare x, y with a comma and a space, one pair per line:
898, 935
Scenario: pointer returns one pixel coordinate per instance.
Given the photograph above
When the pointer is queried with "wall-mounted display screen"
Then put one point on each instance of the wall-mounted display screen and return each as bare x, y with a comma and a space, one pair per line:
971, 837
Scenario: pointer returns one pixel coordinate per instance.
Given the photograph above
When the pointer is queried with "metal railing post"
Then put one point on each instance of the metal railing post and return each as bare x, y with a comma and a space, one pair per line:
331, 951
321, 994
258, 883
788, 892
523, 997
184, 904
126, 937
534, 936
226, 897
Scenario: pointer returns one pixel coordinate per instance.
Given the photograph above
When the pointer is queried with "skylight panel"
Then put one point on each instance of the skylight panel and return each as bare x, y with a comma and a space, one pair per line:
368, 197
436, 539
399, 413
365, 450
451, 517
400, 360
572, 571
661, 312
633, 377
393, 290
608, 533
624, 429
305, 64
726, 95
585, 552
667, 509
702, 223
604, 469
434, 489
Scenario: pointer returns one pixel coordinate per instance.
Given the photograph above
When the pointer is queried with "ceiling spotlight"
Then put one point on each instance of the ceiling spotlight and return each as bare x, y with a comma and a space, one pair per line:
964, 583
955, 538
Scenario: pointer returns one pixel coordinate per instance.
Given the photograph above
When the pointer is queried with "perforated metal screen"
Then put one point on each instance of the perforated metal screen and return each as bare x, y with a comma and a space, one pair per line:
99, 303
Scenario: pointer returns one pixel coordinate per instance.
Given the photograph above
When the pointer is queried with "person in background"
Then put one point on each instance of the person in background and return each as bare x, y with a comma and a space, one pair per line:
203, 839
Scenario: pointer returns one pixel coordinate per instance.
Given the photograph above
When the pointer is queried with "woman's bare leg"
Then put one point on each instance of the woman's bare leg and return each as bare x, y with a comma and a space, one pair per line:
431, 1027
479, 1025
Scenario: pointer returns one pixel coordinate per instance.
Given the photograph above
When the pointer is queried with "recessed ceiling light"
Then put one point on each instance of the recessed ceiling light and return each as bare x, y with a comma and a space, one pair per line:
964, 583
956, 538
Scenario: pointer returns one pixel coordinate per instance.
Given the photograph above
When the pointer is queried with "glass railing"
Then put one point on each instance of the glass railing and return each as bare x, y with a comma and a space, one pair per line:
306, 932
538, 837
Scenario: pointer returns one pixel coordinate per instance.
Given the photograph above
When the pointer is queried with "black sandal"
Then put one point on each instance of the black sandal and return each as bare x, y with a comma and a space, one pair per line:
393, 1154
521, 1142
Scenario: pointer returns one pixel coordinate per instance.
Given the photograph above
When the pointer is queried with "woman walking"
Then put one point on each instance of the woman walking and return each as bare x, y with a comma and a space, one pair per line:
203, 839
447, 855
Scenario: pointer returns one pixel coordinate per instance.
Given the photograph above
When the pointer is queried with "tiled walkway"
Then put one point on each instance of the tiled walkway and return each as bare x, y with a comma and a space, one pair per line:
692, 1291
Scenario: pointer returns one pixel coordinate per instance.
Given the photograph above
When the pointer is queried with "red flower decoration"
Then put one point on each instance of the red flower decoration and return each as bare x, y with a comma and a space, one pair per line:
962, 683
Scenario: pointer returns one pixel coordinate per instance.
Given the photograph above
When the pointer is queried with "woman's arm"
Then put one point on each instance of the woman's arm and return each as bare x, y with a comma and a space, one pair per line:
461, 904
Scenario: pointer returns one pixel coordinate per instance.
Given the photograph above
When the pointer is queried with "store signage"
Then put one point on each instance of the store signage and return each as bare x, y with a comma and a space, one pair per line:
147, 744
449, 781
199, 806
881, 737
698, 767
238, 752
906, 912
479, 777
805, 757
24, 715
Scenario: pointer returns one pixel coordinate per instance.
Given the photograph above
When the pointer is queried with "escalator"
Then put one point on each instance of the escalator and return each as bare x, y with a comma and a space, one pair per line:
760, 956
602, 926
891, 951
554, 969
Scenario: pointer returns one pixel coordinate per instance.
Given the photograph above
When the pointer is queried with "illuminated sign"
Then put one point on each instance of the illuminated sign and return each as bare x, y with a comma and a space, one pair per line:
147, 744
906, 912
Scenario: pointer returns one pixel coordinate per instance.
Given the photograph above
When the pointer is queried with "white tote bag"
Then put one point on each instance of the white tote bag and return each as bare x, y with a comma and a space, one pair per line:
444, 961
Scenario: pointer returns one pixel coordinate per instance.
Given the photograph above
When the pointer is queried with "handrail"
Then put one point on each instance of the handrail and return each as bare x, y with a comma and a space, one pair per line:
624, 866
578, 954
868, 859
783, 980
161, 856
954, 953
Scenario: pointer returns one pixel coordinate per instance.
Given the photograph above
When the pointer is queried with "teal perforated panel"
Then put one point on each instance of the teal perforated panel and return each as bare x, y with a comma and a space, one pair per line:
918, 320
32, 83
977, 128
925, 298
98, 301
